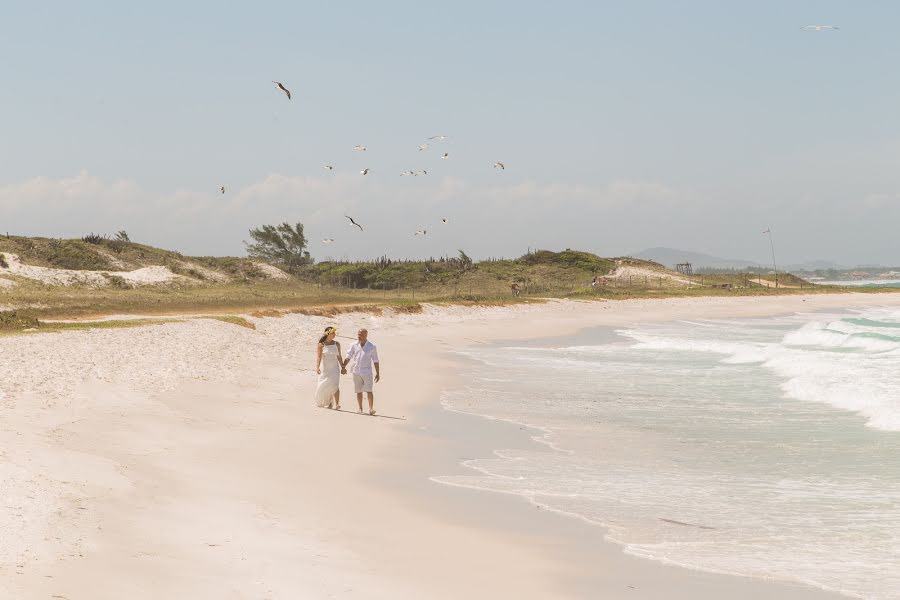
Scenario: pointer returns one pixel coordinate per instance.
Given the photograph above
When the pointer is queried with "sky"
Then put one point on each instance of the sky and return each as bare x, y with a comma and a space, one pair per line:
623, 126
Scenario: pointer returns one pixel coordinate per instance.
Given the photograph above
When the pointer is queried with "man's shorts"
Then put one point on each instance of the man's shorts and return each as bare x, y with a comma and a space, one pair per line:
362, 382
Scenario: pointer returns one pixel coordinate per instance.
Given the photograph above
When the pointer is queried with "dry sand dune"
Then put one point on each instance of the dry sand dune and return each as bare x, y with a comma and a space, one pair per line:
147, 275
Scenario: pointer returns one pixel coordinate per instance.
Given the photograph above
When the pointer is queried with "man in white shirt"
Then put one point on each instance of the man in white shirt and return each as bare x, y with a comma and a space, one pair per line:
362, 356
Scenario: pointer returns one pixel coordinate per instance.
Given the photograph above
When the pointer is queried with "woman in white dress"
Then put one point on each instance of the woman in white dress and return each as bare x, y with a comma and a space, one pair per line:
329, 367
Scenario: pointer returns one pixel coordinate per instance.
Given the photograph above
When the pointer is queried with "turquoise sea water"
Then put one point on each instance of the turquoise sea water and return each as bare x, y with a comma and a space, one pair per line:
862, 283
758, 447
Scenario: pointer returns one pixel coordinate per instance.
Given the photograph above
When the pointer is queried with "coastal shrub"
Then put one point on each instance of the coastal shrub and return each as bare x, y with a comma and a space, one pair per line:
569, 258
117, 281
92, 238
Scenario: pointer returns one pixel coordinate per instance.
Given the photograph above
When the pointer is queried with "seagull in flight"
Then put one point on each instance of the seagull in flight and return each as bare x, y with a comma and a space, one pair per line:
406, 173
327, 240
445, 155
222, 189
439, 138
364, 172
352, 222
423, 147
283, 89
328, 168
819, 27
421, 232
422, 172
499, 165
359, 148
444, 220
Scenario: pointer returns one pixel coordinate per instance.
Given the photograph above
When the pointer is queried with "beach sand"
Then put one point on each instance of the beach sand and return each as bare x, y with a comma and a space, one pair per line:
188, 460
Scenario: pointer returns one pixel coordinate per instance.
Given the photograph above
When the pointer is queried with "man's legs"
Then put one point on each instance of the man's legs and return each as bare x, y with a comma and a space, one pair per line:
371, 397
359, 400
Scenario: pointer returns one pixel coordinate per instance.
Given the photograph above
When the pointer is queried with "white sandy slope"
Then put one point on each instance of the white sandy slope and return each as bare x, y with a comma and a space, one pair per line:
624, 271
187, 461
50, 276
150, 275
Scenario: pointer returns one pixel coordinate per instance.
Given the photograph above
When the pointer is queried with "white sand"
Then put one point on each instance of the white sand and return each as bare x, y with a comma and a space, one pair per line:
150, 275
188, 461
271, 271
51, 276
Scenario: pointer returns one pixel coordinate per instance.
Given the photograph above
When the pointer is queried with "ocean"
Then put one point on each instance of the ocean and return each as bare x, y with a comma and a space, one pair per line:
758, 447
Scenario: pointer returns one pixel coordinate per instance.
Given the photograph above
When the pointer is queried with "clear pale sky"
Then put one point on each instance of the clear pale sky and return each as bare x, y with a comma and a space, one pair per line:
624, 125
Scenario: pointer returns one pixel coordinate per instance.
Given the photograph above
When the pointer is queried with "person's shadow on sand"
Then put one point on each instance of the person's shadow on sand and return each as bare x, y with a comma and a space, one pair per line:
351, 412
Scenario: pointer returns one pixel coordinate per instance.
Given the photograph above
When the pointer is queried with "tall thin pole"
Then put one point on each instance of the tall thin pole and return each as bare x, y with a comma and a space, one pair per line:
772, 245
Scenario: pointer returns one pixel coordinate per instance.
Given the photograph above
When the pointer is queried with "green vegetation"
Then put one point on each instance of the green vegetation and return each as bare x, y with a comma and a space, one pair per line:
13, 324
220, 286
13, 321
233, 319
281, 245
104, 254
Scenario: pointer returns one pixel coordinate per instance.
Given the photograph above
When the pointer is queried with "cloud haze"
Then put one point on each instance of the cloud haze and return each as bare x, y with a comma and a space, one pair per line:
485, 220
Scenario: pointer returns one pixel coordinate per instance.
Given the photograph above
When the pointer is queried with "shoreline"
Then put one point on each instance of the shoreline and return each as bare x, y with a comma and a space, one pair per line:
566, 538
187, 460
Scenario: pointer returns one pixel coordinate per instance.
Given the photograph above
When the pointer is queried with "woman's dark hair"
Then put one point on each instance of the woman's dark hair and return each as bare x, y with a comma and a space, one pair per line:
325, 337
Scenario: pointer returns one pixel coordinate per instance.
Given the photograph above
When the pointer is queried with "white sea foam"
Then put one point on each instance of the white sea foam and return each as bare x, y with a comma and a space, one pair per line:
733, 448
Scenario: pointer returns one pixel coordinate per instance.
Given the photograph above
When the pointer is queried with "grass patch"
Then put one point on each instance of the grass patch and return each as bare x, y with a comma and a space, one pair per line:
233, 319
35, 326
13, 321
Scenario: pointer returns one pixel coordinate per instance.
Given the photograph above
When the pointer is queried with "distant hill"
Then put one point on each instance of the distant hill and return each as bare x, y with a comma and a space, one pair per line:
672, 256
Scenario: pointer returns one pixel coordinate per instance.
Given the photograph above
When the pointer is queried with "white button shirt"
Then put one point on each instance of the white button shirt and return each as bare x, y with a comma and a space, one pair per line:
361, 358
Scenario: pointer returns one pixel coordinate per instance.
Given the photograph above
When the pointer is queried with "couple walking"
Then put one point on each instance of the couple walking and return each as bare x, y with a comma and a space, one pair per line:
363, 355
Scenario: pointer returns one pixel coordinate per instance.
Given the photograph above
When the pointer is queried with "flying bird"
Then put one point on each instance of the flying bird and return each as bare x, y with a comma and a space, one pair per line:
328, 168
359, 148
327, 240
222, 189
499, 165
352, 222
364, 172
439, 138
423, 147
421, 232
406, 173
445, 155
819, 27
422, 172
283, 89
443, 220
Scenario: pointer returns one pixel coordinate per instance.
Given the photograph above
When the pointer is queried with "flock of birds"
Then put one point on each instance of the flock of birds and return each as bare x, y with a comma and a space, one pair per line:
360, 148
440, 138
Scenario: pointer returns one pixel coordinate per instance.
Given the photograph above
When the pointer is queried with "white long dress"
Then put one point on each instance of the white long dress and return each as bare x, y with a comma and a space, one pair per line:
330, 377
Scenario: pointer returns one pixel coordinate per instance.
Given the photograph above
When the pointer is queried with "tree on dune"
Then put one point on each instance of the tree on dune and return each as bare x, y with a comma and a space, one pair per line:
283, 245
